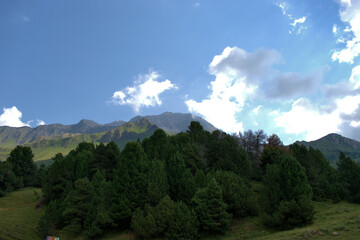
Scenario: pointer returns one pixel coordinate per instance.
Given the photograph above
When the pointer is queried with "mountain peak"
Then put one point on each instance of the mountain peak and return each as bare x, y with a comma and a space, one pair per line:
87, 122
332, 144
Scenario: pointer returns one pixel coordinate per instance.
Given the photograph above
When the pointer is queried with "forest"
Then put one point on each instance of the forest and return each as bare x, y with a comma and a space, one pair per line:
184, 186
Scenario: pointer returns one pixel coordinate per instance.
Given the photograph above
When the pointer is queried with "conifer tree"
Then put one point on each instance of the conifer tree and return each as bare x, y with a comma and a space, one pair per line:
287, 195
211, 209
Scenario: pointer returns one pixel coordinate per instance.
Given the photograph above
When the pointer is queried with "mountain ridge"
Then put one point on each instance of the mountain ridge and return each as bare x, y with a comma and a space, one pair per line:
332, 144
47, 140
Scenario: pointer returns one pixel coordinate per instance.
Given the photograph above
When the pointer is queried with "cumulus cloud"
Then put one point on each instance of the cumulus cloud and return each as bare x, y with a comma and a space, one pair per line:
12, 117
341, 113
144, 93
238, 63
236, 78
297, 24
40, 122
306, 117
288, 85
239, 77
349, 14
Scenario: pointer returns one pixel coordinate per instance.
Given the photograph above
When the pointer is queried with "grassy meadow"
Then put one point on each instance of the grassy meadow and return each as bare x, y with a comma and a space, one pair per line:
18, 220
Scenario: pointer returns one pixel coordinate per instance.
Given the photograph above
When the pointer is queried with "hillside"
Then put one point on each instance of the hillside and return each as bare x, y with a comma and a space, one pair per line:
331, 145
47, 140
175, 122
46, 147
13, 135
339, 221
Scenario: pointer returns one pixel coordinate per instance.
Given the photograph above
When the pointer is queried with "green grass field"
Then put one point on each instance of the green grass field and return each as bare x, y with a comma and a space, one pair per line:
18, 220
18, 216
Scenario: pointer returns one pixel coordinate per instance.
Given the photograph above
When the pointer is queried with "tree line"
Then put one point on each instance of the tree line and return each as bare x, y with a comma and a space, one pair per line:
183, 186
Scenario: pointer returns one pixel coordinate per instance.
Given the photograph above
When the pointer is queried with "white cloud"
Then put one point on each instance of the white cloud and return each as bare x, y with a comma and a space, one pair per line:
197, 4
40, 122
297, 24
12, 117
298, 21
236, 79
283, 7
145, 92
342, 115
304, 117
335, 29
257, 109
239, 77
355, 77
349, 14
355, 124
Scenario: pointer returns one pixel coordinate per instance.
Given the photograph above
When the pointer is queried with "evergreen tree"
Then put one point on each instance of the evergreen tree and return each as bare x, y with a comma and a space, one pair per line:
349, 176
157, 145
163, 214
130, 183
287, 194
183, 224
181, 181
225, 154
143, 223
77, 204
58, 178
98, 218
157, 182
8, 181
211, 209
23, 166
236, 194
321, 176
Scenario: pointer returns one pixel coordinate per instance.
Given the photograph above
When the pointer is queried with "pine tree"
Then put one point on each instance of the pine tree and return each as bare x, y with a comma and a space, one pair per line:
23, 166
183, 224
349, 176
211, 209
287, 194
157, 182
77, 204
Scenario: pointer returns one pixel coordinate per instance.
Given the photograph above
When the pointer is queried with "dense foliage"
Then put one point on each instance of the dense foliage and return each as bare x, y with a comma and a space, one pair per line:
177, 187
182, 186
19, 170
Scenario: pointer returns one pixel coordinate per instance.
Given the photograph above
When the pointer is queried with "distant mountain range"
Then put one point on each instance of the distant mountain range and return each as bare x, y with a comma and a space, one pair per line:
47, 140
331, 145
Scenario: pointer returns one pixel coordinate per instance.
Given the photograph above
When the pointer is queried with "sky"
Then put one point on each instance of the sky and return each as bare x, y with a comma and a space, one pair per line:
288, 67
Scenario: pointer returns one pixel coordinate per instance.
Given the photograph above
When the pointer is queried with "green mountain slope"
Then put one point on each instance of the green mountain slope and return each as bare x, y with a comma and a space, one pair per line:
45, 147
26, 134
332, 144
47, 140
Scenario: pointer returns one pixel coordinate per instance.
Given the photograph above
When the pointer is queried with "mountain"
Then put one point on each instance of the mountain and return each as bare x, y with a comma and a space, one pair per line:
175, 122
332, 144
47, 140
23, 135
47, 146
129, 132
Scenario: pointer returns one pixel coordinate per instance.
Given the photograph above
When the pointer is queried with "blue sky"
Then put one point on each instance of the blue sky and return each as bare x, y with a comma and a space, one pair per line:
288, 67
